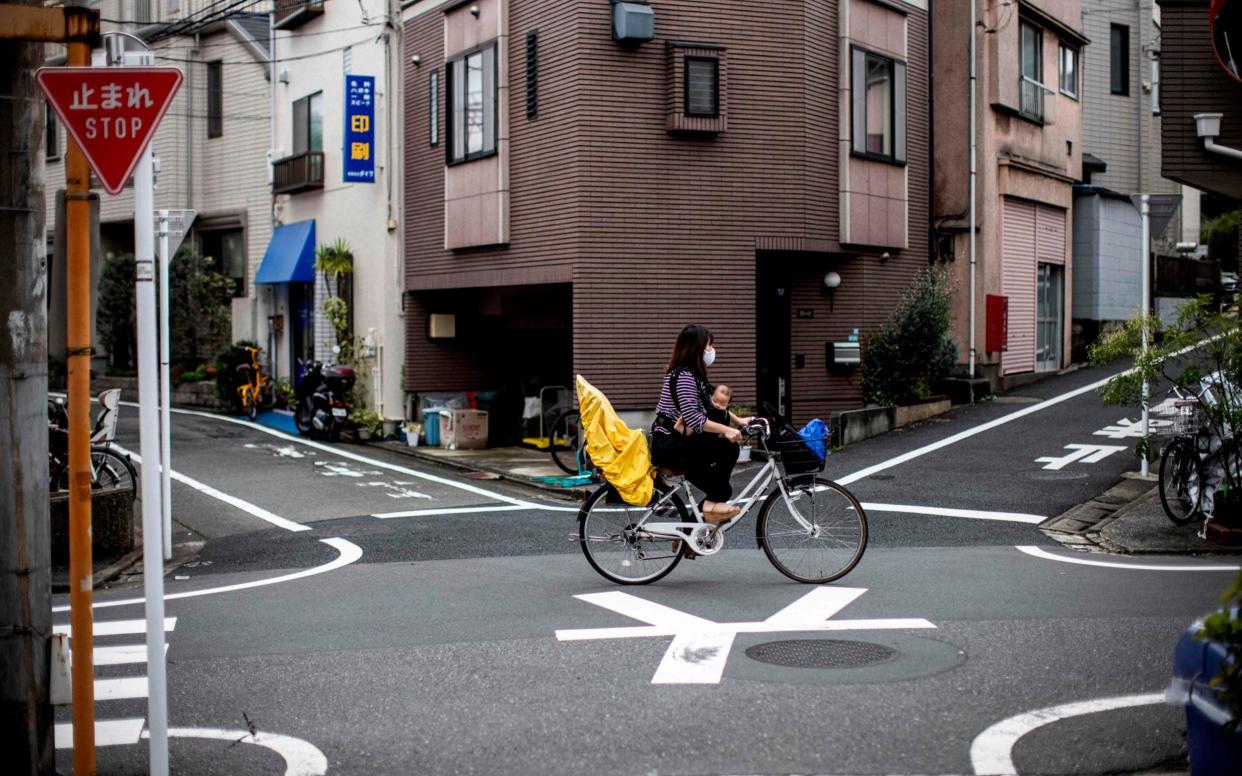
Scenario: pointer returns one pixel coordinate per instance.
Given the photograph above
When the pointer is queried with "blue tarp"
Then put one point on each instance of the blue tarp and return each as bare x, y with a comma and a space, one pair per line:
290, 256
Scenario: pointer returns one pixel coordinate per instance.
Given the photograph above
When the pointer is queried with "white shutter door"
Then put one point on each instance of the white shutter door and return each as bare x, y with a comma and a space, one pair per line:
1018, 283
1050, 234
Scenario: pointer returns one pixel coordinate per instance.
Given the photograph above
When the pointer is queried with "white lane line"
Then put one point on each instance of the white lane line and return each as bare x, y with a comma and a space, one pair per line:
113, 627
991, 753
695, 658
355, 457
648, 631
646, 611
232, 501
301, 757
819, 604
120, 689
1040, 553
968, 433
972, 514
349, 552
121, 655
447, 511
108, 732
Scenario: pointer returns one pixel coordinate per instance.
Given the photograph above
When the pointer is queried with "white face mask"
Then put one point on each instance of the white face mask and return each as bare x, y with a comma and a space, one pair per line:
709, 357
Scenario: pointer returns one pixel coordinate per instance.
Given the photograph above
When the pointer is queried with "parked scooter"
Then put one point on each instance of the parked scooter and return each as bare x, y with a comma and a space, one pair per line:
323, 400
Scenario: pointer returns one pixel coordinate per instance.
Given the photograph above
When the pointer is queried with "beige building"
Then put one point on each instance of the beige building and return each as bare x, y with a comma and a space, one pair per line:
1029, 154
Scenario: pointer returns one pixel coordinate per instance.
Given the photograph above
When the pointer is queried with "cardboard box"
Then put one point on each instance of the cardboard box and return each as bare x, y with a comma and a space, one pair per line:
463, 429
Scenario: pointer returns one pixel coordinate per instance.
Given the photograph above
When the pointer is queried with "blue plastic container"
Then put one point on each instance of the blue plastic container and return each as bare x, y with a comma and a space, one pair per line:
431, 426
1213, 752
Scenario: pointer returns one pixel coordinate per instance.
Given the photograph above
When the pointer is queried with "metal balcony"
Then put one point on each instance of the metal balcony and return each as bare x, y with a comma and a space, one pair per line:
295, 13
1036, 101
295, 174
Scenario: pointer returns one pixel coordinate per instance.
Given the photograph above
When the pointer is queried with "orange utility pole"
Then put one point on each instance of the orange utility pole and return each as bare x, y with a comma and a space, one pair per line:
80, 27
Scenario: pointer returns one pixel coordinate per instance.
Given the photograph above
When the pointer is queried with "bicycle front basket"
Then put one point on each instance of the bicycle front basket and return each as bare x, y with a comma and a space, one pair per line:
796, 456
1175, 417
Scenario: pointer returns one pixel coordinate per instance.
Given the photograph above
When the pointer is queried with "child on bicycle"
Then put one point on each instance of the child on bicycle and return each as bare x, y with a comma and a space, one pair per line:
719, 409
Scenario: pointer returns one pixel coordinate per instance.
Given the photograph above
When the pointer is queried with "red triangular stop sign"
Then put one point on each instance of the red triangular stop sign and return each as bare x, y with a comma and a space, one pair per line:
111, 112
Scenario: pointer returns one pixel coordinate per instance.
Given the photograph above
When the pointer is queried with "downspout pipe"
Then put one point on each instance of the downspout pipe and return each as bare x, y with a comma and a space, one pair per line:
974, 22
931, 136
1207, 127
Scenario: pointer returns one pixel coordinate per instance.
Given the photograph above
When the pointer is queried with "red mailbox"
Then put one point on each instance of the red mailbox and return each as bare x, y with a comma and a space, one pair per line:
997, 336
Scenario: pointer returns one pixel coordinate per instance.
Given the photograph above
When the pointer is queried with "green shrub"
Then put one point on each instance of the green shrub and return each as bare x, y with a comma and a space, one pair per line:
199, 304
115, 316
912, 350
192, 377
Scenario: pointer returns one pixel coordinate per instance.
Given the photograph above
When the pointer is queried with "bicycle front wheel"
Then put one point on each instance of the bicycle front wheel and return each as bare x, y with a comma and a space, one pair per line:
1179, 474
566, 441
616, 549
816, 535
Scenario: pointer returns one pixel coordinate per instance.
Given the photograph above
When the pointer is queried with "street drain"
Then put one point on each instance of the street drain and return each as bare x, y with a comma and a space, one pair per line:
820, 653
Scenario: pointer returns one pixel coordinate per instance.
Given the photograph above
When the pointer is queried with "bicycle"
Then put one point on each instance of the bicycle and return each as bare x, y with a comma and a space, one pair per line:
1189, 464
568, 444
256, 391
109, 469
803, 518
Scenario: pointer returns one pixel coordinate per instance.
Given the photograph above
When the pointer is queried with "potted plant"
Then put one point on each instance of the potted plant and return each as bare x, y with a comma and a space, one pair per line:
367, 421
391, 425
1207, 680
1201, 354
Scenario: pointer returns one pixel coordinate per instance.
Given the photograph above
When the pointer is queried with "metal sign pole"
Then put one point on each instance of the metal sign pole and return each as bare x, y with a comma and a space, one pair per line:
165, 428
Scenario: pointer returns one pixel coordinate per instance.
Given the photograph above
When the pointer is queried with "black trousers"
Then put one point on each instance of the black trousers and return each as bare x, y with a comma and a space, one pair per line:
707, 459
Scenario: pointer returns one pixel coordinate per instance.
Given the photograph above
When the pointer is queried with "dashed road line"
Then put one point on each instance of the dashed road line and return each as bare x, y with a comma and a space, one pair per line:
1041, 553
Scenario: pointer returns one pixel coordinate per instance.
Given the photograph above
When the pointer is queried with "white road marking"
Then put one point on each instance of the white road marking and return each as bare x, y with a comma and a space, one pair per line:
1131, 429
1083, 453
700, 647
120, 689
450, 511
349, 552
301, 757
1041, 553
121, 655
278, 451
113, 627
108, 732
233, 501
991, 751
973, 514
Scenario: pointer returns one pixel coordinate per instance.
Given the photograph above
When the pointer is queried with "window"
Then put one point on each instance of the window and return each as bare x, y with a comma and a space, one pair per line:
1119, 53
532, 75
1155, 83
433, 106
215, 99
51, 137
471, 89
702, 85
308, 124
1069, 72
1030, 85
878, 106
227, 251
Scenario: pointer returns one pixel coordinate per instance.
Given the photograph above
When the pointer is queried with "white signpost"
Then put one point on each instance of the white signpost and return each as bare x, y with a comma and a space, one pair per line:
171, 227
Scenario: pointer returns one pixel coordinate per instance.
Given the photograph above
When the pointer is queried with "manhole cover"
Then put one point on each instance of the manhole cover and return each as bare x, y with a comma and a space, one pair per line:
820, 653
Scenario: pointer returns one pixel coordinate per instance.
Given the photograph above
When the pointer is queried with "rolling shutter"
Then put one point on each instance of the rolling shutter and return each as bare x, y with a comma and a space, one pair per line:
1018, 265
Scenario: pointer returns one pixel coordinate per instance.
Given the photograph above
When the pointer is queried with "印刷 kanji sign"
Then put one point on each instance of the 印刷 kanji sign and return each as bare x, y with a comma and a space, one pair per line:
111, 112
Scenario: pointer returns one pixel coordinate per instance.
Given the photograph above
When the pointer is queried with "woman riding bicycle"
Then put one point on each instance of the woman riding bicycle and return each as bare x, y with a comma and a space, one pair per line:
683, 437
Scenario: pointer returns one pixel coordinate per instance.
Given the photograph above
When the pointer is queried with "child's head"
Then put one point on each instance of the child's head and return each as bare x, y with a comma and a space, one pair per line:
722, 395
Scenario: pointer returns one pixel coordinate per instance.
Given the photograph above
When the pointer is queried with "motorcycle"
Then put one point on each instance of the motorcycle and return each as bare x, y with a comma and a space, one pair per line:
322, 400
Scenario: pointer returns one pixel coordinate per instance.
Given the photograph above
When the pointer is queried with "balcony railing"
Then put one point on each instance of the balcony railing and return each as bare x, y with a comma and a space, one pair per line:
1036, 101
295, 13
294, 174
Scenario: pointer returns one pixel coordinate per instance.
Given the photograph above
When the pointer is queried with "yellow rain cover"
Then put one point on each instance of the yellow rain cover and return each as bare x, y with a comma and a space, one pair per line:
620, 452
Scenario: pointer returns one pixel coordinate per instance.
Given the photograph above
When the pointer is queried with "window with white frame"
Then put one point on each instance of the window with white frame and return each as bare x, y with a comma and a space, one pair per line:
308, 124
1031, 75
471, 91
878, 106
1069, 71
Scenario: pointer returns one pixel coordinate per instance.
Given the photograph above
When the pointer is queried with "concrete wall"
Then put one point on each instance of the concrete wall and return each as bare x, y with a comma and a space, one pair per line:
1107, 258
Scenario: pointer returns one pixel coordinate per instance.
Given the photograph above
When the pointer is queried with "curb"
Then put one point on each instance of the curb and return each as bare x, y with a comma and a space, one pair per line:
106, 574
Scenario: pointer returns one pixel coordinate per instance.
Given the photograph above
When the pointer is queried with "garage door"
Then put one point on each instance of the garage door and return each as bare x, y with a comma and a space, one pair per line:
1032, 234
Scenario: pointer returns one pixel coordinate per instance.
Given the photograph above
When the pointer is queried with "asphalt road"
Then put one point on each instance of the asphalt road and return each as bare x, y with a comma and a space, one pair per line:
457, 641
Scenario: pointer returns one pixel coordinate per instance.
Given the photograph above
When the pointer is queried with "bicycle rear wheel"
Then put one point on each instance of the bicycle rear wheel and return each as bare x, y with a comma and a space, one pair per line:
825, 544
567, 441
1179, 472
110, 469
617, 551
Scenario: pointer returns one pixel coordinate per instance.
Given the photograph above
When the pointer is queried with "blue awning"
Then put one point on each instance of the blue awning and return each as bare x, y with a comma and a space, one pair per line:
290, 256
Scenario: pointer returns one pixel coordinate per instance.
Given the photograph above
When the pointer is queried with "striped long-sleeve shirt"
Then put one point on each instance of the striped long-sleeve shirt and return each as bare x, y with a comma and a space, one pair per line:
690, 392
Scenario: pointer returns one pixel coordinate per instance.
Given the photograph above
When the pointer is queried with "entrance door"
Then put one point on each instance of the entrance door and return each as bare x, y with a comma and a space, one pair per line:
772, 334
1048, 317
302, 328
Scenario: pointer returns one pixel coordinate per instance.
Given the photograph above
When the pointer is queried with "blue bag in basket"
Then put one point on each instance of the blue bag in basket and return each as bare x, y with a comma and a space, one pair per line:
815, 433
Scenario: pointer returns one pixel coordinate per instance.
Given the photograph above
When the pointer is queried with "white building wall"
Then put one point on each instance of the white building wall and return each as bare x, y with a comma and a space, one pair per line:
1107, 258
316, 57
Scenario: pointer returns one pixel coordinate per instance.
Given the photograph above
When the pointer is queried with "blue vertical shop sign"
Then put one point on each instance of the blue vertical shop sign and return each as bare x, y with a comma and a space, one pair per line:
359, 129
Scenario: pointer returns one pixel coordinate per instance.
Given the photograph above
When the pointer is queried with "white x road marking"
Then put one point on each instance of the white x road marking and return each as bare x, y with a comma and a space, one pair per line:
701, 647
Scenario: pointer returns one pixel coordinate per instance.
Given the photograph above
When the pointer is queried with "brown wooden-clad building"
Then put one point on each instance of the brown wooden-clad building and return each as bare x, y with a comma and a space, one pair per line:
584, 178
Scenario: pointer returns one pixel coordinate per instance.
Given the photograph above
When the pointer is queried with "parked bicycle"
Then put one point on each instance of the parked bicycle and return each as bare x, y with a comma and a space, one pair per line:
109, 468
568, 444
810, 528
255, 391
1191, 463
